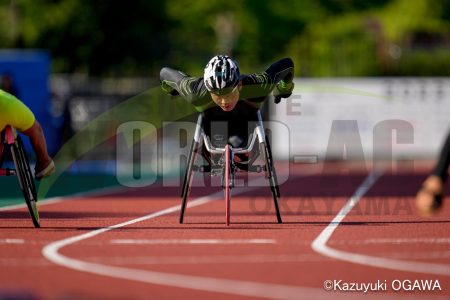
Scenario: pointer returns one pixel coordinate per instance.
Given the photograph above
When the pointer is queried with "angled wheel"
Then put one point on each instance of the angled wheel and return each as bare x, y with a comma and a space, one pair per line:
26, 179
188, 178
271, 176
272, 166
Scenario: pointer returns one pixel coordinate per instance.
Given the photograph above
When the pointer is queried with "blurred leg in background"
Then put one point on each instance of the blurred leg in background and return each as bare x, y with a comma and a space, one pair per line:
44, 163
1, 153
430, 197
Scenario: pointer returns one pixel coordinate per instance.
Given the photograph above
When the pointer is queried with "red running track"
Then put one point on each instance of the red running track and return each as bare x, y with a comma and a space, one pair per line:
254, 258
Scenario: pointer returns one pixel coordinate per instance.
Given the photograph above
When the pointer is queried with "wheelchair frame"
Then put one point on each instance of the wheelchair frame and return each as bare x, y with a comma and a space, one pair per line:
229, 168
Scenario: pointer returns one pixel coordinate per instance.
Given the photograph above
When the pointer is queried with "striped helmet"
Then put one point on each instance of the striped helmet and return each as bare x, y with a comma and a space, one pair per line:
221, 74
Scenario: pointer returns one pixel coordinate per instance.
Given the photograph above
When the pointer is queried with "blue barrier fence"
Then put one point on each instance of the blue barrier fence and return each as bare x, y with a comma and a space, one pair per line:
29, 72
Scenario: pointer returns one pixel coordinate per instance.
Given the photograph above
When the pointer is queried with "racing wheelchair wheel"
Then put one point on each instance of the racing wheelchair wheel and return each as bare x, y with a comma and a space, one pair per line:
26, 180
188, 178
271, 176
274, 173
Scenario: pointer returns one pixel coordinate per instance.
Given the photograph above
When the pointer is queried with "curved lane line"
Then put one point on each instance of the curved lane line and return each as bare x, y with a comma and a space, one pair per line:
242, 288
57, 199
208, 284
320, 243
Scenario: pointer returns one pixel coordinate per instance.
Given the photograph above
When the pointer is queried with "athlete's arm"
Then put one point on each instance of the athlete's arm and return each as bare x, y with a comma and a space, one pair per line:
175, 82
277, 78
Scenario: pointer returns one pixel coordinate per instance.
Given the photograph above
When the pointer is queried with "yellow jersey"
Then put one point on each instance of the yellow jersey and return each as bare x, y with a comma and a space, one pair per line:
14, 113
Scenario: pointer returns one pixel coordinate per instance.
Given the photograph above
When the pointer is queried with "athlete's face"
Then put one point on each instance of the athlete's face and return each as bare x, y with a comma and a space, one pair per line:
228, 101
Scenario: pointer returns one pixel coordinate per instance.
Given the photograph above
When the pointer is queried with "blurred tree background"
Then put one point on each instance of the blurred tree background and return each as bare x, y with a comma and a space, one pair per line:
324, 37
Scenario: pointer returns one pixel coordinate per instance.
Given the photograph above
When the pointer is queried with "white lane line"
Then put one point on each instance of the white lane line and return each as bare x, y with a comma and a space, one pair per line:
191, 241
215, 259
47, 201
216, 285
176, 260
12, 241
320, 243
396, 241
23, 205
420, 255
24, 262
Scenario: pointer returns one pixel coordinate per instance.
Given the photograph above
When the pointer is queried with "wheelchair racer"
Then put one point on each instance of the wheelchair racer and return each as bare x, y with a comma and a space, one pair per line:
16, 114
223, 94
431, 196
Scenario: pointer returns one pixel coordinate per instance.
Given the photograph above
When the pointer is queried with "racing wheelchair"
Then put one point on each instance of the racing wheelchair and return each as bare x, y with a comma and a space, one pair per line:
257, 146
13, 142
